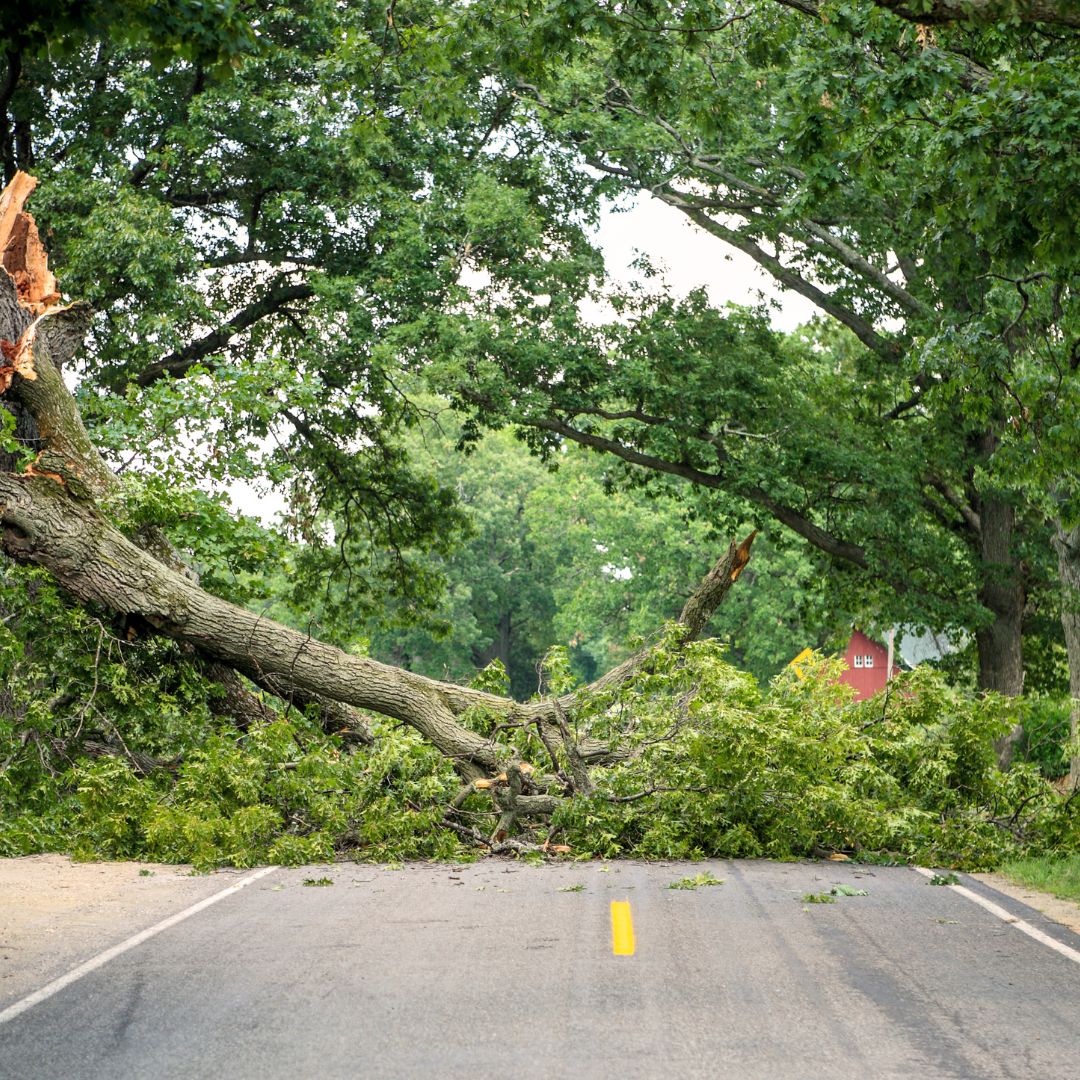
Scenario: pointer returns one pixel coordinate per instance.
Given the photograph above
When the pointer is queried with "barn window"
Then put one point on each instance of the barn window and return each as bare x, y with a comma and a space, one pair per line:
868, 661
858, 660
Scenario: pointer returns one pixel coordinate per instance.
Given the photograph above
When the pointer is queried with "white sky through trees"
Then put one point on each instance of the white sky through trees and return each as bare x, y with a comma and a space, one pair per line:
690, 257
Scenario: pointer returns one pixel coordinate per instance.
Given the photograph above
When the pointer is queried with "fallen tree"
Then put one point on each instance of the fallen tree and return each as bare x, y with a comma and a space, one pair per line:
672, 753
52, 516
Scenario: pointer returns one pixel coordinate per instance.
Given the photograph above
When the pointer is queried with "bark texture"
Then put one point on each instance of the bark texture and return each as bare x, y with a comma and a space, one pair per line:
1067, 546
1001, 660
1000, 642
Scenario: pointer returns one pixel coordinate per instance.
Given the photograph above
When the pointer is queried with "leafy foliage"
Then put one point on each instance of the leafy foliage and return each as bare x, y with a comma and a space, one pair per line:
282, 792
220, 33
719, 769
706, 877
1046, 741
709, 764
847, 890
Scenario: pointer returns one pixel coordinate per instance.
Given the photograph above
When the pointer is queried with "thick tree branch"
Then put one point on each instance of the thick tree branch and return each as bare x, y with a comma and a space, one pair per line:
874, 276
181, 362
44, 525
698, 610
797, 522
938, 12
958, 503
864, 331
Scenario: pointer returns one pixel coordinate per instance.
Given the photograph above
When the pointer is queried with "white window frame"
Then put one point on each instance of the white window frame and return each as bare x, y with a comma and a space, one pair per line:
868, 661
858, 660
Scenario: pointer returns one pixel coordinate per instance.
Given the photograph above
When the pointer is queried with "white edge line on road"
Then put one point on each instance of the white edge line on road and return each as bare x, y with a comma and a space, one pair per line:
95, 962
1032, 931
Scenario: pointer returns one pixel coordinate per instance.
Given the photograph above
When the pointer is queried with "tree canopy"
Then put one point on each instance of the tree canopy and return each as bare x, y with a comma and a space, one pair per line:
915, 185
283, 227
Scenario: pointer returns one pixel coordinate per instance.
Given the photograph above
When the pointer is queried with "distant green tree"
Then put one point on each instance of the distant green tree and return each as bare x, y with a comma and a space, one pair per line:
558, 555
499, 600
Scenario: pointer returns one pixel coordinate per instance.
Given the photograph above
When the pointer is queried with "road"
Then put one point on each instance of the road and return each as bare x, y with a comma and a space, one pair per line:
504, 970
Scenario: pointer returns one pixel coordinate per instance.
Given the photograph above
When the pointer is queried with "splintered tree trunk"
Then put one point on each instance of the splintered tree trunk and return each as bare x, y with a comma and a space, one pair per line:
1067, 545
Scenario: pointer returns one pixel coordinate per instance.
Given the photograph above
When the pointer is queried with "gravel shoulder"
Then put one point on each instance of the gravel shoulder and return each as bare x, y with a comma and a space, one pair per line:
56, 913
1053, 907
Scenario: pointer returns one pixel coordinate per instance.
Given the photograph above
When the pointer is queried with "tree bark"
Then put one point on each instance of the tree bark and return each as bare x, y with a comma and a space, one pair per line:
1001, 662
1001, 592
942, 12
1067, 545
44, 524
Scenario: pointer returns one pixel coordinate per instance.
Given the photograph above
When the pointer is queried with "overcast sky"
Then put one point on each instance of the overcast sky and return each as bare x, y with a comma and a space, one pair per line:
692, 258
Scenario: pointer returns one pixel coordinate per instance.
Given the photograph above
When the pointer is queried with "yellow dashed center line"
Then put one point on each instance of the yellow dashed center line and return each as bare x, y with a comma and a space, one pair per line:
622, 928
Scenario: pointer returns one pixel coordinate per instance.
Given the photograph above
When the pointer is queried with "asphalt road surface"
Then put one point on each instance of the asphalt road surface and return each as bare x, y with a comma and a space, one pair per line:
502, 970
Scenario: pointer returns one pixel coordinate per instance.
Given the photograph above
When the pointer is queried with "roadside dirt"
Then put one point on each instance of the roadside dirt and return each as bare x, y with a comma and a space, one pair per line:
55, 913
1062, 911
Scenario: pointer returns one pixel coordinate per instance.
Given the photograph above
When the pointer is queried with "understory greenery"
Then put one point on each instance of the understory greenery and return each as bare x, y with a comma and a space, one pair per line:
109, 748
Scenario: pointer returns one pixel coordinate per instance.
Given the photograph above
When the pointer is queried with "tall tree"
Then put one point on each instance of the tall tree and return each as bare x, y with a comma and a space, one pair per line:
916, 187
53, 515
258, 242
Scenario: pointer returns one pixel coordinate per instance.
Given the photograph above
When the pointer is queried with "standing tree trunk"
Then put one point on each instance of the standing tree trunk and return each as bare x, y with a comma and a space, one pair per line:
1001, 657
1001, 592
1067, 545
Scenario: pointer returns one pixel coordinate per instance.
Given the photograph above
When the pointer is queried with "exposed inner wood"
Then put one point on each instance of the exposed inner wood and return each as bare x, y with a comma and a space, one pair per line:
22, 253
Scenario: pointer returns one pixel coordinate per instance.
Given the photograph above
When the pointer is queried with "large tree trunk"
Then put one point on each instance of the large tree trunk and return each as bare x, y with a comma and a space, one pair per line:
44, 523
1001, 659
1001, 592
1067, 545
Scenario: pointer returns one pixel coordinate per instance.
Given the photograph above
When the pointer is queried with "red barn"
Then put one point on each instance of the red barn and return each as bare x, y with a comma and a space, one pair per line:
867, 666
